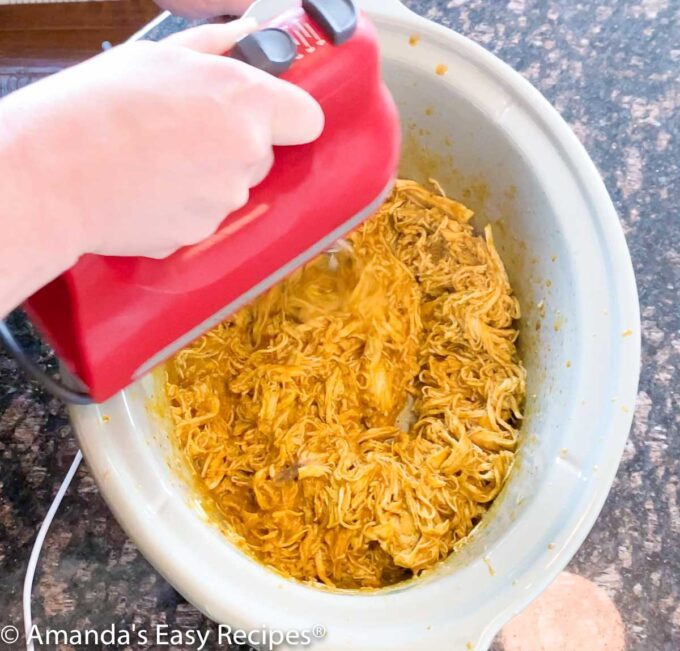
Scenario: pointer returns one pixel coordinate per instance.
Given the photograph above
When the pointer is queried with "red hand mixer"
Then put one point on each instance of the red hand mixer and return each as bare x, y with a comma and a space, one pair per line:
112, 319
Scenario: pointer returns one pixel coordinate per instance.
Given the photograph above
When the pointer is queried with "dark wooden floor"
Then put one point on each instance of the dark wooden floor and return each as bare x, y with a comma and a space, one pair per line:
36, 40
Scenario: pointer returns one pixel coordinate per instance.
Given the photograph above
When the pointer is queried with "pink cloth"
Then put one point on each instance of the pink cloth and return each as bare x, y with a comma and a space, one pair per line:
573, 614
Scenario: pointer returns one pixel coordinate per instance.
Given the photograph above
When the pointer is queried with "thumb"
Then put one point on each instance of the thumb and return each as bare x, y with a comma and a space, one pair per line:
297, 117
213, 39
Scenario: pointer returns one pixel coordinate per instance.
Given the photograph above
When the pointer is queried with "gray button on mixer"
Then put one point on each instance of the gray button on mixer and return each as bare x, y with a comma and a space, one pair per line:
337, 18
271, 50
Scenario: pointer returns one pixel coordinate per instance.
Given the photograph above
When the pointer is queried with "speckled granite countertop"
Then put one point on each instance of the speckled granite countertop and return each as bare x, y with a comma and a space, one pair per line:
612, 69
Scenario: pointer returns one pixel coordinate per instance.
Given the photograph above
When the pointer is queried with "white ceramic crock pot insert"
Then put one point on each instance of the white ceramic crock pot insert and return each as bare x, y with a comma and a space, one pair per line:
494, 142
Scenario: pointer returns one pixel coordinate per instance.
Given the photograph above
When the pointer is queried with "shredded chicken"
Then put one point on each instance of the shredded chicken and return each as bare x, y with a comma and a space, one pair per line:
354, 423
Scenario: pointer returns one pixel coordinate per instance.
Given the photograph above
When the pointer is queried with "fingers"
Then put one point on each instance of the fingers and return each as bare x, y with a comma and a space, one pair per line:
213, 39
297, 117
259, 170
160, 253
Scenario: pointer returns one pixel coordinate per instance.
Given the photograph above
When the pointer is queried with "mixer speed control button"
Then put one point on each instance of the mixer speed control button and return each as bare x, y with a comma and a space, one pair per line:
337, 18
271, 50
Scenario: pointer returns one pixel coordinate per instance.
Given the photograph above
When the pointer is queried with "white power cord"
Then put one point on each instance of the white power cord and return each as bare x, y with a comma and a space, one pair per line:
37, 547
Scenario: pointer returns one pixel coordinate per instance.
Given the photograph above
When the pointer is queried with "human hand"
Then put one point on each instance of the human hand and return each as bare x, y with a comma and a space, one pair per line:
205, 8
147, 147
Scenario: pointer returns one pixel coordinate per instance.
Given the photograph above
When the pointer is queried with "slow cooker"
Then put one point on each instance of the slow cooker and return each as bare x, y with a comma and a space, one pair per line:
493, 142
